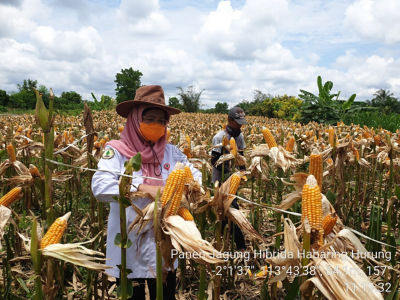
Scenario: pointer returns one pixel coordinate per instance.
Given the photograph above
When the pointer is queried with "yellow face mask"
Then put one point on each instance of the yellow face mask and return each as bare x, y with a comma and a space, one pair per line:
152, 132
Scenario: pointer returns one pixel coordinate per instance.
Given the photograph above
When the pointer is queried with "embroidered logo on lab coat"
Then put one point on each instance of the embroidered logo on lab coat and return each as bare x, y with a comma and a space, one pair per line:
108, 154
167, 166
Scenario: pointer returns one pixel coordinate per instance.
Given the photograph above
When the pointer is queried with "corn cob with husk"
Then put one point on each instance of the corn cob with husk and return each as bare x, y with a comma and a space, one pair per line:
328, 222
269, 138
311, 206
55, 232
316, 167
11, 196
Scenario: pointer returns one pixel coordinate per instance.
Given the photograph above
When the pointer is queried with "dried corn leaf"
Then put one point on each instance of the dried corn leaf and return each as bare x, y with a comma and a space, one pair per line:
185, 235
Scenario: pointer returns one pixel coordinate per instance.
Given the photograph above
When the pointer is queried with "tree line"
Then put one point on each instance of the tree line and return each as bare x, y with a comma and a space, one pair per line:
325, 107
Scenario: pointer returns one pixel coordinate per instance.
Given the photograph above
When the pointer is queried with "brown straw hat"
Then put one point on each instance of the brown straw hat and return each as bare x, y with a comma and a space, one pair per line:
147, 94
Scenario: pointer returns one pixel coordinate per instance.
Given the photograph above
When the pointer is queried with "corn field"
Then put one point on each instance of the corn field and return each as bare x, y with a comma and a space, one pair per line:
319, 207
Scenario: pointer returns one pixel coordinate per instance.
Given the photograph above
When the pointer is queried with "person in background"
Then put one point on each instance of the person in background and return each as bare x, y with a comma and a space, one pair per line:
145, 131
236, 118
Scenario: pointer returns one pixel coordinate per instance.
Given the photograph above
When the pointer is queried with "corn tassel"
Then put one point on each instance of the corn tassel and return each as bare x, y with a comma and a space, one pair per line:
316, 168
290, 144
328, 223
311, 207
55, 232
11, 196
269, 138
11, 152
185, 214
234, 150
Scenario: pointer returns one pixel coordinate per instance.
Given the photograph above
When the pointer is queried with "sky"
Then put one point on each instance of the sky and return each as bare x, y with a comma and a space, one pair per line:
227, 49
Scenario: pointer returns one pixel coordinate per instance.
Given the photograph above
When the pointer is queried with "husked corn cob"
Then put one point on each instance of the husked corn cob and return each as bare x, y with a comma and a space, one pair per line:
356, 154
311, 205
168, 134
29, 133
316, 167
331, 134
234, 184
188, 174
290, 144
234, 150
187, 151
225, 141
185, 214
377, 140
34, 171
269, 138
169, 187
11, 196
11, 152
55, 232
328, 223
177, 196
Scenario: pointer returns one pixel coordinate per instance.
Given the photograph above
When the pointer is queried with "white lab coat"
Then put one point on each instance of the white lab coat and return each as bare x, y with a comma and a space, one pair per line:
141, 256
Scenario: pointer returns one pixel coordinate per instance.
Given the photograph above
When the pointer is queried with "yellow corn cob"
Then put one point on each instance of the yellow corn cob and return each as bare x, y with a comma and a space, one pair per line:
263, 272
290, 144
234, 149
328, 223
55, 232
269, 138
377, 140
234, 184
168, 134
34, 171
356, 154
29, 133
311, 206
316, 167
11, 152
11, 196
185, 214
225, 141
177, 197
366, 135
187, 150
331, 133
102, 142
169, 187
188, 174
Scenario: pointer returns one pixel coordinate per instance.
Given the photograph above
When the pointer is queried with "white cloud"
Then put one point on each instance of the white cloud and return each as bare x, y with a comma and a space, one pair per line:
236, 33
227, 49
67, 45
377, 20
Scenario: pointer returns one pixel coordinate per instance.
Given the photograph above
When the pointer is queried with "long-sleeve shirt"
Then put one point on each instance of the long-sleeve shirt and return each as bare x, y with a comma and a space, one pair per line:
141, 256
